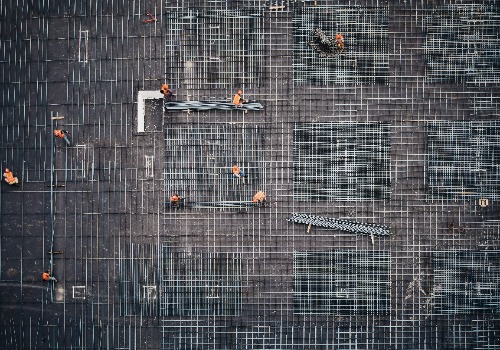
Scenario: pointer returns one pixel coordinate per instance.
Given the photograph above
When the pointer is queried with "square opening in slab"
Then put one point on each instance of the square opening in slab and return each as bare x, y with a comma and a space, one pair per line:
79, 292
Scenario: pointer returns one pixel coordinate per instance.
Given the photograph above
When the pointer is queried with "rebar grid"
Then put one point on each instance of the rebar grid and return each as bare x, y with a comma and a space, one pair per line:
341, 283
463, 159
462, 43
102, 199
199, 160
365, 57
341, 161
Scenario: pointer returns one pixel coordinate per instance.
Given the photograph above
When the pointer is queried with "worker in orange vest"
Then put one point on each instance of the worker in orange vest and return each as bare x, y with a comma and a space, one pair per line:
259, 198
165, 90
63, 135
175, 201
9, 178
339, 39
47, 277
237, 172
238, 99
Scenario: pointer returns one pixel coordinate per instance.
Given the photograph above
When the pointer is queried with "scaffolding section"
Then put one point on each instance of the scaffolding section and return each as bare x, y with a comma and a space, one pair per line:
200, 284
342, 283
365, 58
341, 161
198, 162
215, 48
463, 158
462, 43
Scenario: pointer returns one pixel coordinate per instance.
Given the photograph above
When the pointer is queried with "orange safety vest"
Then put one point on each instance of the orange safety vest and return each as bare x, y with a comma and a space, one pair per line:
237, 99
259, 197
45, 276
236, 169
59, 133
339, 38
10, 178
164, 89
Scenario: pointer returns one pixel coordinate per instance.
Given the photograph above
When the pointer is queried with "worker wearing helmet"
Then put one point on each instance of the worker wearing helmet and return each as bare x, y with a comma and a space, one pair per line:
165, 90
238, 99
9, 177
339, 39
237, 172
175, 201
259, 198
63, 135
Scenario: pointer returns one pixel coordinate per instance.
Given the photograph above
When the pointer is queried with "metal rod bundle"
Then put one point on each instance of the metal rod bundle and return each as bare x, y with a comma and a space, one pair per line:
341, 225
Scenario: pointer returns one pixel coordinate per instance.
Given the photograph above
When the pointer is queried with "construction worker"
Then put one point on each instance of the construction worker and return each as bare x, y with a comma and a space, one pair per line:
237, 172
259, 198
62, 134
339, 39
238, 99
175, 201
151, 18
47, 277
165, 90
9, 178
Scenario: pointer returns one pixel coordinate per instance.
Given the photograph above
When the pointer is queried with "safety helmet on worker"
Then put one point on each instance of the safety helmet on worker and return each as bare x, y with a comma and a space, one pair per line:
7, 170
240, 92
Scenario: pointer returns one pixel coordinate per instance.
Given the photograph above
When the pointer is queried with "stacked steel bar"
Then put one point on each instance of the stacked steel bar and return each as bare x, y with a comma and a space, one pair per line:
341, 225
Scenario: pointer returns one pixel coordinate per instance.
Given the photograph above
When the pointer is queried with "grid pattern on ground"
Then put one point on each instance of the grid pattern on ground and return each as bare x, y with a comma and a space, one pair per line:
341, 161
365, 56
462, 43
463, 159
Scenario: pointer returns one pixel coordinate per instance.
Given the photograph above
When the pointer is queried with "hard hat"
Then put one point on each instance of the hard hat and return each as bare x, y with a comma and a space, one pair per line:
240, 92
7, 170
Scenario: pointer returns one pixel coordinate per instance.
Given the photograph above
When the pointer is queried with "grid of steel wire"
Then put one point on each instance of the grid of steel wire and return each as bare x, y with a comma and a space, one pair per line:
463, 158
365, 57
343, 161
462, 43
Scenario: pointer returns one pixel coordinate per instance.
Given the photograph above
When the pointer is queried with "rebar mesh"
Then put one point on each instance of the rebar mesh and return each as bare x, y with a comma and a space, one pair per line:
341, 161
462, 43
341, 282
463, 158
365, 58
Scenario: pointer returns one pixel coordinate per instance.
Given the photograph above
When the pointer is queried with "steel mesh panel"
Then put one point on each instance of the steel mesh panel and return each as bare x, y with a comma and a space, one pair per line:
466, 282
365, 58
341, 283
341, 161
462, 43
463, 159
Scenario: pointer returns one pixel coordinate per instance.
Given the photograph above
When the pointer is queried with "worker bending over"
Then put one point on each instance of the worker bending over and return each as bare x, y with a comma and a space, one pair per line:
259, 198
238, 99
9, 177
339, 39
165, 90
175, 201
47, 277
237, 172
63, 135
